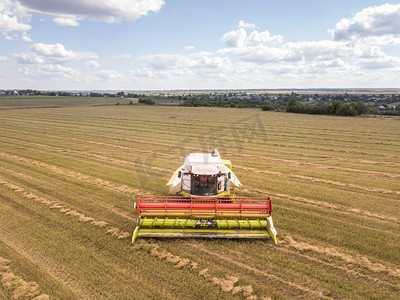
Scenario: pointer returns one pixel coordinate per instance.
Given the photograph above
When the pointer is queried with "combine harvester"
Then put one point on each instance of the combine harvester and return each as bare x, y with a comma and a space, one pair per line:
204, 205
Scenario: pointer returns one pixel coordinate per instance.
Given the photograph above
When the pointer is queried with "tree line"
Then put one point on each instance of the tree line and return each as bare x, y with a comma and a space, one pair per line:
332, 108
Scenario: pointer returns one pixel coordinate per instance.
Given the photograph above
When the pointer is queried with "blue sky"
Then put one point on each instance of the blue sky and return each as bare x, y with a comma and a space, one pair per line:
178, 44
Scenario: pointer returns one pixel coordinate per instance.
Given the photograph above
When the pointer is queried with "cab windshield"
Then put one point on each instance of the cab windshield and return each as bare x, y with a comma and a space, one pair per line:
204, 185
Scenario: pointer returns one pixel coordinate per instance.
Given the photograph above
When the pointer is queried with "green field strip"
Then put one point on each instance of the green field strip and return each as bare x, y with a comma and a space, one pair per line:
32, 101
92, 172
371, 202
106, 160
366, 220
264, 258
268, 169
125, 115
273, 273
293, 161
387, 204
380, 232
331, 149
334, 182
78, 202
119, 181
30, 271
39, 238
265, 282
222, 132
73, 189
74, 185
76, 199
117, 270
381, 187
286, 259
306, 223
304, 138
341, 133
292, 145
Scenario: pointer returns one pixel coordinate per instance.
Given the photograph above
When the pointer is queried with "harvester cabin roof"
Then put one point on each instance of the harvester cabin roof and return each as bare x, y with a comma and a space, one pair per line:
203, 159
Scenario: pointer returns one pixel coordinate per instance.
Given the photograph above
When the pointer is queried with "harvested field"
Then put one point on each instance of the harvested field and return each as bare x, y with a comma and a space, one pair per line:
69, 177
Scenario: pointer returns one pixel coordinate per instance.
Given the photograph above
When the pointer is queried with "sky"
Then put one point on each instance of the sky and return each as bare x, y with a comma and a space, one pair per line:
198, 44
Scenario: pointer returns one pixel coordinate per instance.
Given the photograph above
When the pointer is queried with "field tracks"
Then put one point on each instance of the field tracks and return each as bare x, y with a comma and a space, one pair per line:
335, 147
322, 204
188, 148
359, 260
310, 258
337, 207
255, 170
227, 284
123, 189
134, 193
337, 183
17, 287
106, 206
49, 265
310, 291
65, 210
69, 177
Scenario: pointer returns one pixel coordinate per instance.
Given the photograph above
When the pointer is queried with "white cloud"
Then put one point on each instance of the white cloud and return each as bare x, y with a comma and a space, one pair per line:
264, 37
105, 10
143, 72
109, 75
242, 24
249, 58
55, 52
92, 63
235, 38
167, 61
386, 62
10, 37
48, 57
28, 58
378, 21
58, 53
215, 62
16, 36
26, 37
66, 21
195, 67
11, 23
122, 56
13, 17
239, 38
259, 59
50, 71
3, 57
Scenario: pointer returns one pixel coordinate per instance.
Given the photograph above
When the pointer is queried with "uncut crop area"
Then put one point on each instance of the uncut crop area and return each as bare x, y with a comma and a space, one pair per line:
69, 178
